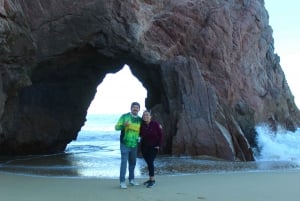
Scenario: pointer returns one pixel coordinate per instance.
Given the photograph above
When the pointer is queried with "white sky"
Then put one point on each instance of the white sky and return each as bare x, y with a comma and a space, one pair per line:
117, 91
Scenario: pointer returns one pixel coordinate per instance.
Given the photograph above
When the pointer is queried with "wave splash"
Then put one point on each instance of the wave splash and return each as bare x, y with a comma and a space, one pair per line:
281, 145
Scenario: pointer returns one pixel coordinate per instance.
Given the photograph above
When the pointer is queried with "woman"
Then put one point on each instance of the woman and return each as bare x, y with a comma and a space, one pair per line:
151, 139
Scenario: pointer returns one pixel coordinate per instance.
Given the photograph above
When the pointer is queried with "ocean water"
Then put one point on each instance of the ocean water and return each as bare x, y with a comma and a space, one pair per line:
96, 153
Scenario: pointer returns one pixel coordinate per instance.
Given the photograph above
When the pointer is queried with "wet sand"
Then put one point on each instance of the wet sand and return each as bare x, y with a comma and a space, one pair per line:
229, 186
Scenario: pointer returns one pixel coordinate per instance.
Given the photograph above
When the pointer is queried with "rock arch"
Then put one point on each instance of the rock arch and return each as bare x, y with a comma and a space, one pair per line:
54, 106
209, 69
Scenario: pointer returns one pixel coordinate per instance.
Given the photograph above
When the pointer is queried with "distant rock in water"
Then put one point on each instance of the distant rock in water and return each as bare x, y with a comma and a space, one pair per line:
208, 66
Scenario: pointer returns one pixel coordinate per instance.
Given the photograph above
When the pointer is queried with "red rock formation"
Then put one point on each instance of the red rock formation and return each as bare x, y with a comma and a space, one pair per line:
209, 68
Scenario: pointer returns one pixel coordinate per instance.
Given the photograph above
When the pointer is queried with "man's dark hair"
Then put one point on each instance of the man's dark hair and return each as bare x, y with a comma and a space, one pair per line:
135, 103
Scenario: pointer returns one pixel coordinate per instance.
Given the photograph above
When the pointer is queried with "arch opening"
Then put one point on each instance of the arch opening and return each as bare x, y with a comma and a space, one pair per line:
97, 139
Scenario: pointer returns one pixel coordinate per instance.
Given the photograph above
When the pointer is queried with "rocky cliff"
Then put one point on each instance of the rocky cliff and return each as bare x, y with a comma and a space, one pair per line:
208, 66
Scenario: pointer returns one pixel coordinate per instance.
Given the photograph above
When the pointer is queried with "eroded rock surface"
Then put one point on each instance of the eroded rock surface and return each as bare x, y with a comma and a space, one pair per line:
209, 68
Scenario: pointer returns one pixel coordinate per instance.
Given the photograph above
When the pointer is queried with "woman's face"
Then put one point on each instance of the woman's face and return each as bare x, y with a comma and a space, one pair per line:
146, 116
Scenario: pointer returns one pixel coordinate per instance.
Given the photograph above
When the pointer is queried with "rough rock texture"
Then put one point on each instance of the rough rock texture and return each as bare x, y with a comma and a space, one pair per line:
209, 68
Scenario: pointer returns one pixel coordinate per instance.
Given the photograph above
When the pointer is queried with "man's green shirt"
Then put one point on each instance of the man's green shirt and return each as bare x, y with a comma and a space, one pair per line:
131, 132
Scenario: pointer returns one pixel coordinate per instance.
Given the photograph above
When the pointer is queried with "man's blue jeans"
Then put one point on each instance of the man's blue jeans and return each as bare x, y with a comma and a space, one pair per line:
127, 154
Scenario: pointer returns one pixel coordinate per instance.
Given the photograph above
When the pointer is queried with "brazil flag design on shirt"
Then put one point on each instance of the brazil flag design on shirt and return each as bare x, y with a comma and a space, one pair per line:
132, 131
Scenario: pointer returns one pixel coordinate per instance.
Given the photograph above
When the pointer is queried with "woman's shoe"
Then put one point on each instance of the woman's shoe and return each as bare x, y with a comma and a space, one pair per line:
151, 183
147, 182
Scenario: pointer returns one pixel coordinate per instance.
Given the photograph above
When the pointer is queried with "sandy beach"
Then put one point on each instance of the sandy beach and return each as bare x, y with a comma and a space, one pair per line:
241, 186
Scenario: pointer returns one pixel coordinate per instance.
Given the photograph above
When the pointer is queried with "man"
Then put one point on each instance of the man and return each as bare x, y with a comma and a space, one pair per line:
129, 125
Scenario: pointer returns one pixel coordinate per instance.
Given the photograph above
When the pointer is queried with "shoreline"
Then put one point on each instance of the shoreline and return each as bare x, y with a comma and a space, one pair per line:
144, 176
229, 186
69, 166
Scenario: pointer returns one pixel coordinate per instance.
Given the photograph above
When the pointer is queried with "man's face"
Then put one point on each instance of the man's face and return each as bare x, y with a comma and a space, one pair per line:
135, 109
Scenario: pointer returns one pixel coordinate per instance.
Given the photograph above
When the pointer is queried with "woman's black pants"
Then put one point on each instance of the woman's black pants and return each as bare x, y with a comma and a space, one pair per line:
149, 154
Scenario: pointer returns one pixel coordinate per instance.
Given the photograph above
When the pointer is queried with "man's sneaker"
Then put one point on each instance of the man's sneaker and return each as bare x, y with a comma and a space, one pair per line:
133, 183
147, 182
150, 184
123, 185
